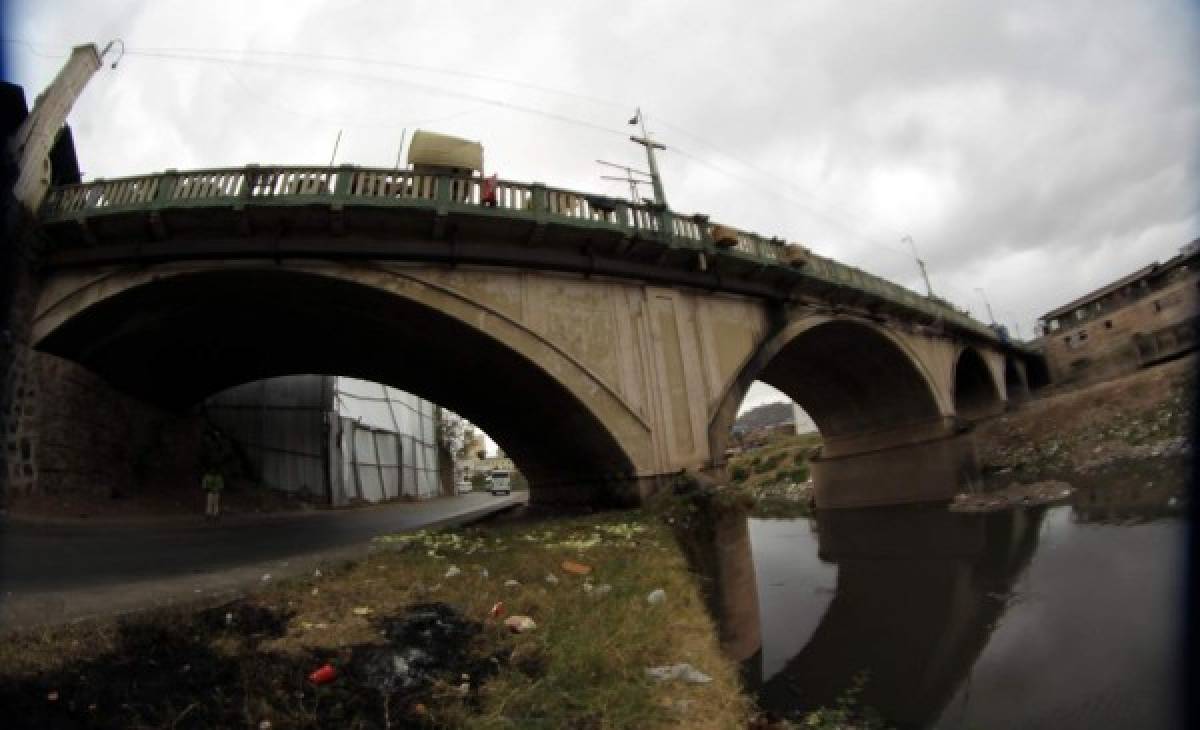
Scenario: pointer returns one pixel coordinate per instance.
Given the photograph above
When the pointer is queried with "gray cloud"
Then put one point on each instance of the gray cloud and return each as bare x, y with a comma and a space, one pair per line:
1034, 149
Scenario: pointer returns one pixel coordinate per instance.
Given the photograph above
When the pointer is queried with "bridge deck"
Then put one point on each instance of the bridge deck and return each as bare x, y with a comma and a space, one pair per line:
436, 214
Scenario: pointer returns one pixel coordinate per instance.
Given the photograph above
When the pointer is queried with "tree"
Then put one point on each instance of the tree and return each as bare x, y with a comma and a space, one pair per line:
452, 431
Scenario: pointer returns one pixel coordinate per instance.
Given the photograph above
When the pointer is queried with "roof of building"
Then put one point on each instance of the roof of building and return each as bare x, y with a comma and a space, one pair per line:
1186, 252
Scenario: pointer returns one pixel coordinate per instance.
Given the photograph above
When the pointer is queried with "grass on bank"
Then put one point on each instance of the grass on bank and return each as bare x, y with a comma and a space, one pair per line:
775, 475
245, 664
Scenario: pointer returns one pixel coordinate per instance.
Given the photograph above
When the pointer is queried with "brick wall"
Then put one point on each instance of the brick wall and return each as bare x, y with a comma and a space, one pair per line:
1104, 345
92, 438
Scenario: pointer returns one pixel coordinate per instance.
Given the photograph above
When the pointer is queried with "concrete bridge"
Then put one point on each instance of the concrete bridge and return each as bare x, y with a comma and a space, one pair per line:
606, 345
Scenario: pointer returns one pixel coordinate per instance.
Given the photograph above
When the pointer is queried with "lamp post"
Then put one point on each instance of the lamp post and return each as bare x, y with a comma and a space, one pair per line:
986, 303
921, 264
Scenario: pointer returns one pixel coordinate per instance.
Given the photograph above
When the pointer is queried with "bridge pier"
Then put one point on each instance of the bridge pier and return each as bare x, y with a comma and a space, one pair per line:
927, 471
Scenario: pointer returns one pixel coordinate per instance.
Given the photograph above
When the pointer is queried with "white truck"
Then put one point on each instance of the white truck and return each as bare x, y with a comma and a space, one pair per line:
500, 482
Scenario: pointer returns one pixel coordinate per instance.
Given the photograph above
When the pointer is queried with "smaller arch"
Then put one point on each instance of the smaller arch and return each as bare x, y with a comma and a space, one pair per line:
851, 376
976, 395
1016, 385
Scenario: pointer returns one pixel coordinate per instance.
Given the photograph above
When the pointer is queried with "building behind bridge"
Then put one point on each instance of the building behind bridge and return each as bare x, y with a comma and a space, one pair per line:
1138, 320
334, 440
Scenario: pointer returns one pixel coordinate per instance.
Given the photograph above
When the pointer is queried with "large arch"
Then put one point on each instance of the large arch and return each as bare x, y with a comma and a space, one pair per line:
174, 334
975, 390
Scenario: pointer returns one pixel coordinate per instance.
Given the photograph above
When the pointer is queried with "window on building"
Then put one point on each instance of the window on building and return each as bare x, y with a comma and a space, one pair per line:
1157, 305
1108, 324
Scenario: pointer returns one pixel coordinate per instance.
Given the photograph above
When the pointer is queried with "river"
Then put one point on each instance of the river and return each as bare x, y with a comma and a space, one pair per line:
1066, 617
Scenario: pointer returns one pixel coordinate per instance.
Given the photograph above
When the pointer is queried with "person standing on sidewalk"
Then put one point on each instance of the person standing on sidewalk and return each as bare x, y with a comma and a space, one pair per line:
213, 483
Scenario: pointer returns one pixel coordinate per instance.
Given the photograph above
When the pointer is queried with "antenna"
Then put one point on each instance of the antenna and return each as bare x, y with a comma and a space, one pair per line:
920, 263
660, 197
400, 149
629, 178
336, 142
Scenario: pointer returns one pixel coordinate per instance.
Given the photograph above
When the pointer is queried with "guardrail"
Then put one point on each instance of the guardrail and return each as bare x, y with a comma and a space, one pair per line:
350, 186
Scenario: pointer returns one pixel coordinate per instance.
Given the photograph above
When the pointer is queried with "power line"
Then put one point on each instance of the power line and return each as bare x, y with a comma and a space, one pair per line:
257, 98
207, 55
32, 48
437, 90
199, 55
397, 64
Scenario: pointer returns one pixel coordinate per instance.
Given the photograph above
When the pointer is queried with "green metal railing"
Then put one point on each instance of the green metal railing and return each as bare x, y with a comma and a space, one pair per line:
355, 186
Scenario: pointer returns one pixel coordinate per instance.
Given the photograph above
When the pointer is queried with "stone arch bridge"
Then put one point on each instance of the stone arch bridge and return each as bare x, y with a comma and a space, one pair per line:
606, 345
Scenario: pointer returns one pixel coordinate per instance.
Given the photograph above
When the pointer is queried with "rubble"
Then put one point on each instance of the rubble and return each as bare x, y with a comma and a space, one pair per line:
1015, 495
520, 624
683, 671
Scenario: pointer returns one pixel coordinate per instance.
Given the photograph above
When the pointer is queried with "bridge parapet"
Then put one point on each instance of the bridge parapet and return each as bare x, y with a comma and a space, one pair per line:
348, 186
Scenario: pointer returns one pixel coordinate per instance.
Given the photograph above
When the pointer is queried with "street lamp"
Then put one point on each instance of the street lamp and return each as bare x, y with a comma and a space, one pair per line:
920, 263
986, 303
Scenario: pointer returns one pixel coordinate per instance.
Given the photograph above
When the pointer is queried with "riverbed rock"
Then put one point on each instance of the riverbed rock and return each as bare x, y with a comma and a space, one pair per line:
1014, 495
682, 671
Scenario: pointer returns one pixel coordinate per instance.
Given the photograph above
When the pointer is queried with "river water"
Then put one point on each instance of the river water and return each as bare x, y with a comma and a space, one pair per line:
1063, 617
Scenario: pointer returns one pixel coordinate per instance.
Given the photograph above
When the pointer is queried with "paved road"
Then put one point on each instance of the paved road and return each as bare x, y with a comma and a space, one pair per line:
59, 572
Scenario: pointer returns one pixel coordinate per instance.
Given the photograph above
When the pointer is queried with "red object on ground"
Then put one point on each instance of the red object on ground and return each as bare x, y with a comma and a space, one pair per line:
488, 196
324, 675
498, 609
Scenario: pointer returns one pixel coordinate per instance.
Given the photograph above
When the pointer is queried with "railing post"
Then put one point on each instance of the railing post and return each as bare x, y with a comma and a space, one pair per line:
95, 190
665, 227
249, 182
341, 187
166, 188
539, 204
441, 191
624, 219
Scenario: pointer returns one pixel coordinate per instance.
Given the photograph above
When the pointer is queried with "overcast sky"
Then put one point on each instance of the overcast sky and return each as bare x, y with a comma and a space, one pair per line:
1035, 150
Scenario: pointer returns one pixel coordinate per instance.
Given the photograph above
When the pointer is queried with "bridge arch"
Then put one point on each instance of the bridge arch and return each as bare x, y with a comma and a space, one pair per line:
856, 380
176, 333
1016, 381
976, 392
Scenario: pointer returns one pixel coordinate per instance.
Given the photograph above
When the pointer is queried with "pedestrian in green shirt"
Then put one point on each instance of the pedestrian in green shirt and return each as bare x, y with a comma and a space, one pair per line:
213, 483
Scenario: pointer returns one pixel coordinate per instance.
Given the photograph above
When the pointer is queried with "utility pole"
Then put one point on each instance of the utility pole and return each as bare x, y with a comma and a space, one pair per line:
629, 178
920, 263
655, 179
986, 303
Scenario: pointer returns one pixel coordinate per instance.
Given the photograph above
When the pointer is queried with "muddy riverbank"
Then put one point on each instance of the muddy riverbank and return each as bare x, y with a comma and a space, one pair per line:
1145, 415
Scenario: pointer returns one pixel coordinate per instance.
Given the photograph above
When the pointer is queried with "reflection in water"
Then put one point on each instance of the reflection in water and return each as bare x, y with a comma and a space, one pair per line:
918, 593
1020, 618
717, 546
